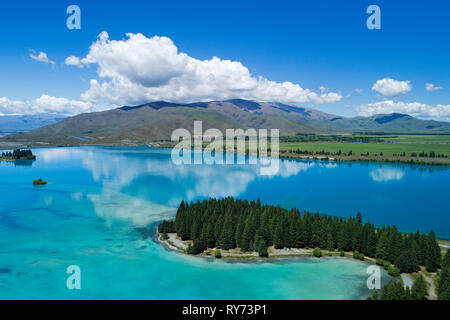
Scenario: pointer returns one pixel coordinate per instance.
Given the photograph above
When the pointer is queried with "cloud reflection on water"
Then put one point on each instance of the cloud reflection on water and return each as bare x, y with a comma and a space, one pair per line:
116, 169
384, 174
159, 185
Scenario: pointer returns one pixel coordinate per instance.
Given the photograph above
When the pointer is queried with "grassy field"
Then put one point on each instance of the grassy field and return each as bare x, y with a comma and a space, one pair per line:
440, 144
415, 149
420, 139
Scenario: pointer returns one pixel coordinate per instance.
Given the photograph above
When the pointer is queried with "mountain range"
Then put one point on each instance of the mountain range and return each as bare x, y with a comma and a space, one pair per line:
155, 121
23, 123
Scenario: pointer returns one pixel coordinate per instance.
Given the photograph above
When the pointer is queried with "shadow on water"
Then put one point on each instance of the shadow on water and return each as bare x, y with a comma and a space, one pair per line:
148, 232
5, 270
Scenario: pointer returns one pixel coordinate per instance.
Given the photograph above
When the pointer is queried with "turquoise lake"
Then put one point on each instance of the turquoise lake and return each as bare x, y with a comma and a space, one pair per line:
102, 204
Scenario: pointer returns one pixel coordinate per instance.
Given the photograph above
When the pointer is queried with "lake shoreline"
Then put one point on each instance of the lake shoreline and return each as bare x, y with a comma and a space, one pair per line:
285, 253
407, 279
443, 162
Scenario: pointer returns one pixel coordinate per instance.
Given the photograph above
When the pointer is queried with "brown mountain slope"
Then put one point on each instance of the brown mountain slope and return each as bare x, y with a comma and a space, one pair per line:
157, 120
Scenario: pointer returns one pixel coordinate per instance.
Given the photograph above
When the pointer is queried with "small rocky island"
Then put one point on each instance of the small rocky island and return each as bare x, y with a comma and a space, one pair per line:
39, 182
17, 155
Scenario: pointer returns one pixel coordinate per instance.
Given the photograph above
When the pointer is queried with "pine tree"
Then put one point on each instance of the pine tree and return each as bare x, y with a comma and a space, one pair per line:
407, 262
382, 247
345, 238
330, 242
247, 238
421, 248
218, 227
239, 232
407, 294
209, 235
357, 240
419, 289
433, 256
299, 239
307, 230
374, 296
262, 248
323, 235
293, 234
394, 244
392, 291
359, 219
443, 289
278, 237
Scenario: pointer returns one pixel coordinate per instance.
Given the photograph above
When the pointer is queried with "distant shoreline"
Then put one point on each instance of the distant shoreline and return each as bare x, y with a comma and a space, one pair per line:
380, 159
353, 158
443, 162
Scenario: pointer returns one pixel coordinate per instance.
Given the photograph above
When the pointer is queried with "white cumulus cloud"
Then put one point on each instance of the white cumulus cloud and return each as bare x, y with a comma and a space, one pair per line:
73, 61
432, 87
415, 109
392, 88
44, 104
41, 57
139, 69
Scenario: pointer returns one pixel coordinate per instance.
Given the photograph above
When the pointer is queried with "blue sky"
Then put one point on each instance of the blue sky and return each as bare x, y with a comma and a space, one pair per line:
309, 43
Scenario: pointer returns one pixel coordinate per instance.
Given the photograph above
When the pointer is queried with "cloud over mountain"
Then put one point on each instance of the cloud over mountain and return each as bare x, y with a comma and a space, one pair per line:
415, 109
140, 69
44, 104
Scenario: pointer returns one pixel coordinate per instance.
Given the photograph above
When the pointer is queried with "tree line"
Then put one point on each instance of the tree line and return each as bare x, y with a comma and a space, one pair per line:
394, 290
18, 154
229, 223
422, 154
443, 287
328, 138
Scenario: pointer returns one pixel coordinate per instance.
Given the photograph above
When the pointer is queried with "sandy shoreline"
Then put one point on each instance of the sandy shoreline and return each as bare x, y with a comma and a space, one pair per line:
176, 244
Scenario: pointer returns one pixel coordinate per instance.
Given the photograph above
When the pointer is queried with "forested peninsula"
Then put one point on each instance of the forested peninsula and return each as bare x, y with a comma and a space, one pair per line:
249, 229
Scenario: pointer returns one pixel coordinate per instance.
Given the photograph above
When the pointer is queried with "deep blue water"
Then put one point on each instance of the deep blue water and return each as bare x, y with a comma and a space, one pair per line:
101, 204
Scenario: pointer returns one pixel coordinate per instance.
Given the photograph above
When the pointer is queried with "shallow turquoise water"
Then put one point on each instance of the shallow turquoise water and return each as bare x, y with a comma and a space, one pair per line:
101, 205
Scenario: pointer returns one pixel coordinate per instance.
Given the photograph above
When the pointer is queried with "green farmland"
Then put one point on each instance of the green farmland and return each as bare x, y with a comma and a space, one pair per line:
439, 144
